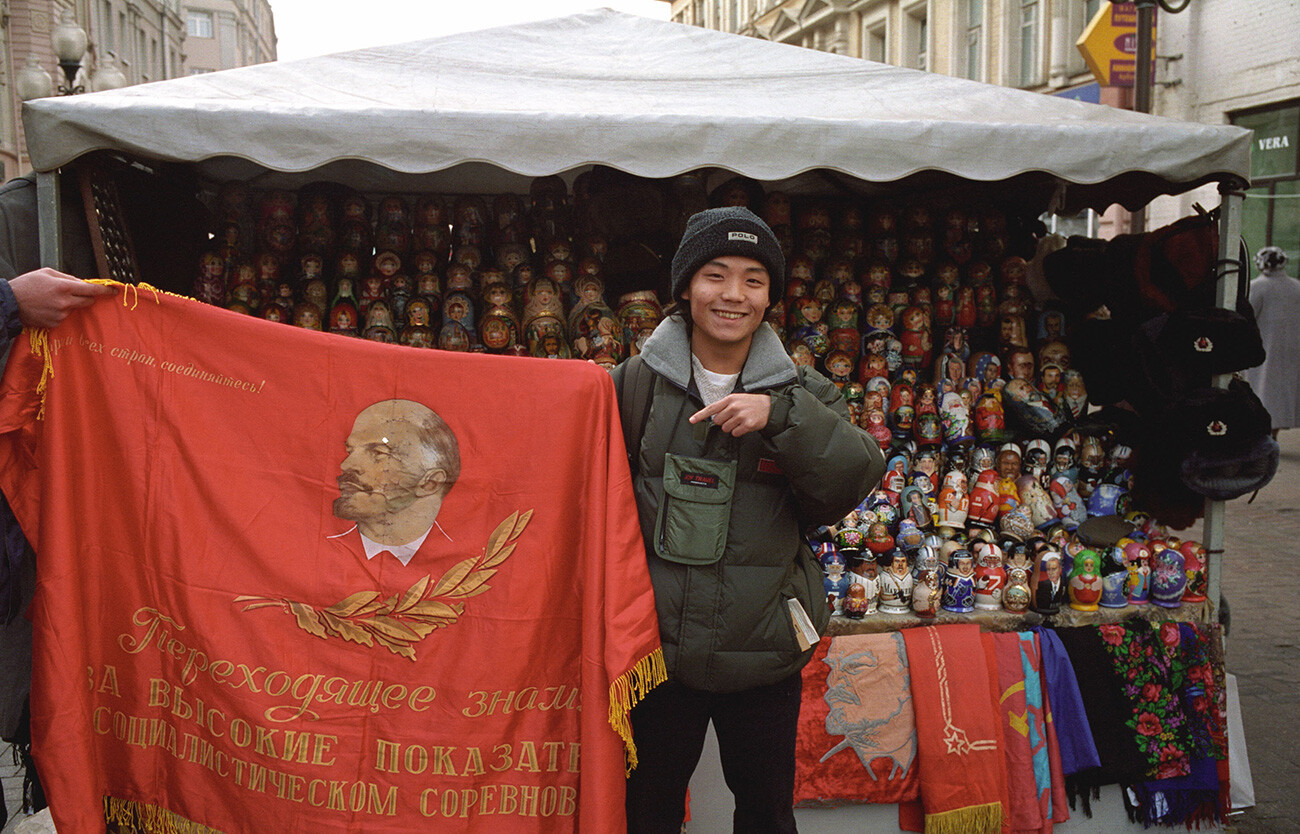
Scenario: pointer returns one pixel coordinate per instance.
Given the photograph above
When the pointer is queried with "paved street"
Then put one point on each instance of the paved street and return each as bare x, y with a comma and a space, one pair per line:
1262, 583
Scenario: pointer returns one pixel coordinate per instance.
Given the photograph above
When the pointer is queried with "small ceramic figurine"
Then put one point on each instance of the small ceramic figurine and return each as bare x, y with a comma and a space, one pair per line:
1084, 587
896, 585
959, 583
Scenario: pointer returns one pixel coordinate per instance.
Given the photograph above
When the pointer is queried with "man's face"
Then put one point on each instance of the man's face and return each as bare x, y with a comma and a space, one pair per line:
728, 296
384, 471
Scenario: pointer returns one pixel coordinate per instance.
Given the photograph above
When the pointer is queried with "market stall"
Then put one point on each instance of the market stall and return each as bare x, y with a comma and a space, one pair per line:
615, 127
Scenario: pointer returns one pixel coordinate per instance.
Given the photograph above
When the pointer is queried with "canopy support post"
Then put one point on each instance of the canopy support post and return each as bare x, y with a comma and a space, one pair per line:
1229, 276
49, 219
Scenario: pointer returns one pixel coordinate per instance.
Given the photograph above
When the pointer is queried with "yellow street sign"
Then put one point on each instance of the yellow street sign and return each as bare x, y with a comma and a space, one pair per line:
1109, 44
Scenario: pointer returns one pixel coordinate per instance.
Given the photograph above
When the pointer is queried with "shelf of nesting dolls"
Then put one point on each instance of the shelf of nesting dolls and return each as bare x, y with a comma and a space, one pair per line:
1065, 617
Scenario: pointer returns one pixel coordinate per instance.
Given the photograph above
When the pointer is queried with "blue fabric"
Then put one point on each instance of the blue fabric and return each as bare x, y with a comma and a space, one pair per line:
1073, 733
1034, 716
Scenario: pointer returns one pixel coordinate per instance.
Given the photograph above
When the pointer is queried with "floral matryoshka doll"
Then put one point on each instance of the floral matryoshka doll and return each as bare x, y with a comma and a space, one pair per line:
1168, 578
1084, 587
864, 576
1114, 578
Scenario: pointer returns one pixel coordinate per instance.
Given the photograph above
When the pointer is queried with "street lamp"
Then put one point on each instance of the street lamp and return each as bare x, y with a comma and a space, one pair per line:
69, 41
33, 81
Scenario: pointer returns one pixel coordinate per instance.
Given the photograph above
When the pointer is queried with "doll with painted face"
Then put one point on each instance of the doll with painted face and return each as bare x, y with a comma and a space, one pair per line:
990, 576
896, 584
1048, 583
959, 583
1070, 508
1085, 584
915, 337
953, 502
984, 500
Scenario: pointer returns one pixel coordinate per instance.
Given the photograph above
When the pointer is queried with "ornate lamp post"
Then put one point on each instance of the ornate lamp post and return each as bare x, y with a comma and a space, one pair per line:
69, 41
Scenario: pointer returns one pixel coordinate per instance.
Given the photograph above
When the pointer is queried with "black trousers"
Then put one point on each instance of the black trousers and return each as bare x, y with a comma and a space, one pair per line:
756, 739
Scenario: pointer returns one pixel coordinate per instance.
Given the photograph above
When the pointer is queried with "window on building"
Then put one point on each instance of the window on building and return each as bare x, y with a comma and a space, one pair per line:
875, 41
697, 13
106, 26
1027, 63
1271, 212
198, 24
916, 37
1090, 8
972, 59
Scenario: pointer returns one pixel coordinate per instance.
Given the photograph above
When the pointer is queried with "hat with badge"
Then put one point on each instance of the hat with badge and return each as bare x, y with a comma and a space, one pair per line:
1225, 436
730, 230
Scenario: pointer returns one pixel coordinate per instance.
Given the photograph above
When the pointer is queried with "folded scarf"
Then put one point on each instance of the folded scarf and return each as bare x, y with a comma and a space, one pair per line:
857, 735
1028, 773
962, 771
1070, 719
1107, 708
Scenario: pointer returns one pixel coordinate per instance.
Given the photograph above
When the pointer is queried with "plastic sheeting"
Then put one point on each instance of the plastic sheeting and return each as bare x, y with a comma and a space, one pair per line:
648, 97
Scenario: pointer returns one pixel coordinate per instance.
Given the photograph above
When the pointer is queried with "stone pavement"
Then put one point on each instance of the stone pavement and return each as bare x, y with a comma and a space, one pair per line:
1261, 580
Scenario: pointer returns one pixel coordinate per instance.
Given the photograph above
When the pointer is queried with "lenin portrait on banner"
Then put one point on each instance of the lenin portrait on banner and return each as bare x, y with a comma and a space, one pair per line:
401, 461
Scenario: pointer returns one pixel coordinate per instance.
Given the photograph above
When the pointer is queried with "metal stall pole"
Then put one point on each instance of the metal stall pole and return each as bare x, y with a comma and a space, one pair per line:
49, 219
1228, 272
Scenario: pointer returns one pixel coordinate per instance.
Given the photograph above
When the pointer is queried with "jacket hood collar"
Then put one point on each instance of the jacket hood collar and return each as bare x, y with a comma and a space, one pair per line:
668, 353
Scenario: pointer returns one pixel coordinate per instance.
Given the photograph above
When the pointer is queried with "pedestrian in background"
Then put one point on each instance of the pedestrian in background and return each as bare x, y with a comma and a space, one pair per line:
1275, 297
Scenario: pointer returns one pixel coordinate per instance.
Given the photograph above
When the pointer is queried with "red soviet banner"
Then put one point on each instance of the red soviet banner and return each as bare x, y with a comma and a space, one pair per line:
293, 582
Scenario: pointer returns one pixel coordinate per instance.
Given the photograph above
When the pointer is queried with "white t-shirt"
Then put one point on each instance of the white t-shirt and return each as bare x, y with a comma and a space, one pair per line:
712, 387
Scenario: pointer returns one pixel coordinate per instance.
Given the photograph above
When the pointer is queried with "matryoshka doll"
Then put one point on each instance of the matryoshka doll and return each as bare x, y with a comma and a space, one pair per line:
984, 500
902, 411
1085, 585
1049, 581
953, 504
896, 585
1069, 506
856, 605
879, 541
1016, 597
1194, 564
1114, 578
990, 576
210, 284
990, 422
836, 583
1168, 577
959, 583
865, 577
916, 338
926, 594
1137, 557
954, 418
344, 318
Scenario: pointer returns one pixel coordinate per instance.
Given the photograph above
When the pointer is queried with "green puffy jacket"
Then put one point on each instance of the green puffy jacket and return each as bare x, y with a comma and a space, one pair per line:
722, 517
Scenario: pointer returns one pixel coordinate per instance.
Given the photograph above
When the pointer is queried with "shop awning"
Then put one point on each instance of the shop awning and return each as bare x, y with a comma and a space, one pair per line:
496, 106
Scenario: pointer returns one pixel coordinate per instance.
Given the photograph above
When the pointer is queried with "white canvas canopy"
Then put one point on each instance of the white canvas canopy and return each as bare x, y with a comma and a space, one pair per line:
485, 111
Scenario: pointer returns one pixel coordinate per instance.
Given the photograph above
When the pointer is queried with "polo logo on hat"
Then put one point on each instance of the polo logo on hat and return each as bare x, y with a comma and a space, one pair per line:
1216, 428
745, 236
1203, 345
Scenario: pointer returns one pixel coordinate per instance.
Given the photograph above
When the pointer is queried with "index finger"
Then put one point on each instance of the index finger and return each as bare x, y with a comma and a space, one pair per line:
85, 288
706, 412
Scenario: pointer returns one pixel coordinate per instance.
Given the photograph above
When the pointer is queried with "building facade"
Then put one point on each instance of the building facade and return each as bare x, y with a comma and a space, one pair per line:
144, 40
1217, 62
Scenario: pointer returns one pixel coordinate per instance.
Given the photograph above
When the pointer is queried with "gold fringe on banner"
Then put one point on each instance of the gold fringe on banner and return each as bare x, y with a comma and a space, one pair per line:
131, 816
627, 690
38, 338
976, 819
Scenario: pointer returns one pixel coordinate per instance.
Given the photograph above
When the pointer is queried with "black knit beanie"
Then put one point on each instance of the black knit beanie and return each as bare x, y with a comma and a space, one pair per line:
731, 230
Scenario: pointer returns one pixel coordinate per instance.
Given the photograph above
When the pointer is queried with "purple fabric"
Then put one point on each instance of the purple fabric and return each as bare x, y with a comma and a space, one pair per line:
1073, 734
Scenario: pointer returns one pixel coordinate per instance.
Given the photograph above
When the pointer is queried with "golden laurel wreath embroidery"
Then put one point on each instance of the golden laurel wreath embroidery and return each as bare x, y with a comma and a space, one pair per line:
403, 620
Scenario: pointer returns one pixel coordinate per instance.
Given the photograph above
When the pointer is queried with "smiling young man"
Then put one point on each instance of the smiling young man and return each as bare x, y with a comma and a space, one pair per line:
734, 453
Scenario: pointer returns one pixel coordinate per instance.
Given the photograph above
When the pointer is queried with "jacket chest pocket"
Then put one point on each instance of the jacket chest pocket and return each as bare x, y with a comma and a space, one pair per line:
696, 509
